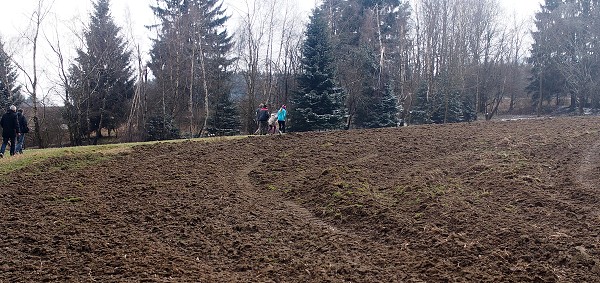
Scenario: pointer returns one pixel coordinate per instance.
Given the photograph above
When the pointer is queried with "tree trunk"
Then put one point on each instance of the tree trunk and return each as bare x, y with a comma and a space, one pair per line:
191, 100
205, 85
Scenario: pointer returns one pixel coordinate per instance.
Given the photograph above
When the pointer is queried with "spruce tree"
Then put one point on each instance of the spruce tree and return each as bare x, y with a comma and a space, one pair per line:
319, 102
102, 76
10, 90
380, 111
564, 54
192, 50
447, 108
420, 112
546, 80
367, 36
386, 110
440, 108
225, 114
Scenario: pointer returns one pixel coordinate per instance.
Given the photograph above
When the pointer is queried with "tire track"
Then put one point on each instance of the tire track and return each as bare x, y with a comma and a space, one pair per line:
242, 179
588, 178
295, 210
587, 175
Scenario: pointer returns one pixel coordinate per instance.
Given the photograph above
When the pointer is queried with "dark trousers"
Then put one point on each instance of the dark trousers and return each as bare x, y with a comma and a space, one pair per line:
13, 144
281, 126
263, 127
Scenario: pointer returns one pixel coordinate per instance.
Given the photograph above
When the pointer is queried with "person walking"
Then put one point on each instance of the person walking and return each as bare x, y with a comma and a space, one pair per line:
273, 124
263, 120
281, 115
23, 129
256, 112
10, 130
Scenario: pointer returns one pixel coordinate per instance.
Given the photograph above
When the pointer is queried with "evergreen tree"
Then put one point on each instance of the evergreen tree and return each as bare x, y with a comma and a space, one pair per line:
159, 129
190, 53
546, 80
319, 102
102, 77
382, 111
440, 108
386, 110
565, 53
420, 112
368, 36
10, 90
447, 108
225, 115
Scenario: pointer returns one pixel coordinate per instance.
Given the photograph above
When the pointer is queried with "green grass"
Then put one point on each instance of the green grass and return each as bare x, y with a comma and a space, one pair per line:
82, 156
32, 157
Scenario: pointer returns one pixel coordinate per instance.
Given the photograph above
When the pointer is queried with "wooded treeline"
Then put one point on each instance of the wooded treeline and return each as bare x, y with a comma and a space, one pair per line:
355, 64
566, 55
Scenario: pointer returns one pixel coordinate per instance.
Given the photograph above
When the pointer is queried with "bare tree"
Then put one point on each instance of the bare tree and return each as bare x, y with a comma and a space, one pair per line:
31, 74
268, 44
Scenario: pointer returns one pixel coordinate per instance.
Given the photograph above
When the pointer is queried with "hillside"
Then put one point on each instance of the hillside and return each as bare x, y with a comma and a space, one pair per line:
512, 201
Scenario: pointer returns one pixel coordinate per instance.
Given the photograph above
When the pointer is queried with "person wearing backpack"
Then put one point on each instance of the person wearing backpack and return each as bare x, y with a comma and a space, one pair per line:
23, 130
10, 130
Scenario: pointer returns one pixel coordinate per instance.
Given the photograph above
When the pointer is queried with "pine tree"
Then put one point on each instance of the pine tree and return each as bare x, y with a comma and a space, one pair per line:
447, 108
380, 111
564, 53
102, 77
440, 108
190, 60
420, 112
386, 110
10, 90
368, 37
225, 115
319, 102
546, 80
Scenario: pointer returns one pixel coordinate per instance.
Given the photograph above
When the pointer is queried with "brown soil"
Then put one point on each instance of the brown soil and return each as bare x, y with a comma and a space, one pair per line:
498, 201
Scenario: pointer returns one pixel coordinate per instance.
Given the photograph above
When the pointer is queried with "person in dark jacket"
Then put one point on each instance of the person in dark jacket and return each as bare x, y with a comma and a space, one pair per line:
263, 119
10, 130
23, 130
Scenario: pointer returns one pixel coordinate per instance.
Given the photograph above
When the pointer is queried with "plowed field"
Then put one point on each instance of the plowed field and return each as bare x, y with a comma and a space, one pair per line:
512, 201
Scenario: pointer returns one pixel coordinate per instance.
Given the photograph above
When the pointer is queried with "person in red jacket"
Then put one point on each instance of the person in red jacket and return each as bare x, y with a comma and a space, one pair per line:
10, 130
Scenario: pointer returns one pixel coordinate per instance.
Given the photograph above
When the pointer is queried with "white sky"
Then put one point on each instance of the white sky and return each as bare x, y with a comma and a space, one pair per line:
69, 16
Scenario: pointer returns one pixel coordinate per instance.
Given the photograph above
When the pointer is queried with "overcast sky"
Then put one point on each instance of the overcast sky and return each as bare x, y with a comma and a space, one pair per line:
136, 13
131, 15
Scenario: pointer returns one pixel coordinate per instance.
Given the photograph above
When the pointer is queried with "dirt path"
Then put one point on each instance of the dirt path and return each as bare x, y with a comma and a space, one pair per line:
270, 201
588, 175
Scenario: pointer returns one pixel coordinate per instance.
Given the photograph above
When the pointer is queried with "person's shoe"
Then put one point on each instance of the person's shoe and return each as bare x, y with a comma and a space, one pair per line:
1, 155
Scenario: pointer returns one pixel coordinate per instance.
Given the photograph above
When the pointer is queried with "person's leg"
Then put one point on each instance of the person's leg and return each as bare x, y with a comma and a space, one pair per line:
20, 139
282, 126
264, 127
13, 145
3, 148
